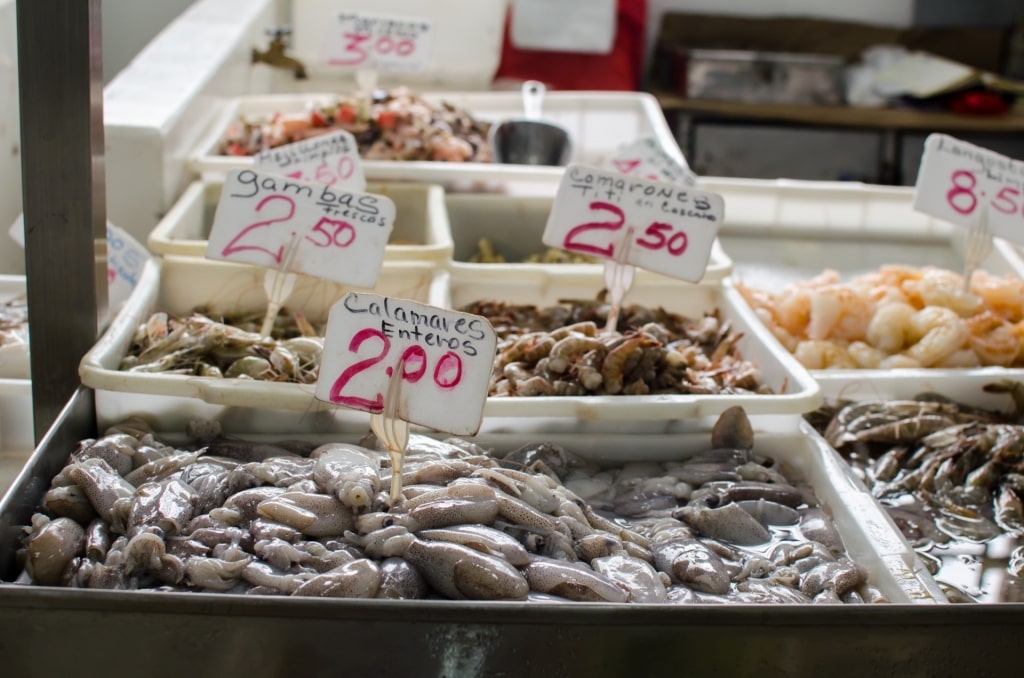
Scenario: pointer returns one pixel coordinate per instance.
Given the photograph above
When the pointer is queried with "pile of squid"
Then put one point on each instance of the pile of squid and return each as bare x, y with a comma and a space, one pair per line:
214, 346
948, 474
561, 350
537, 523
897, 317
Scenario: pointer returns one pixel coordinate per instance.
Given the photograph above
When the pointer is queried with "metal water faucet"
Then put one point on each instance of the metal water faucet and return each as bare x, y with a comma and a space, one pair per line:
275, 55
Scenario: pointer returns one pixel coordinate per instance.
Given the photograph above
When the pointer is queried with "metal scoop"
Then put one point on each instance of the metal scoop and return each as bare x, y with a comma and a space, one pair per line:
530, 140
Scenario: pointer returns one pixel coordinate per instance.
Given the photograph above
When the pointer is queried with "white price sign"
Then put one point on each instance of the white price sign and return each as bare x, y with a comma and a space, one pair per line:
645, 158
444, 356
957, 179
324, 231
125, 260
376, 42
655, 225
331, 159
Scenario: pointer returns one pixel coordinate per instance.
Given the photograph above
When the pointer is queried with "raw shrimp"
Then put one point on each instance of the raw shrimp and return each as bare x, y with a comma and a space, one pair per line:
1003, 296
992, 339
865, 355
823, 355
937, 332
838, 312
940, 287
792, 309
889, 328
965, 357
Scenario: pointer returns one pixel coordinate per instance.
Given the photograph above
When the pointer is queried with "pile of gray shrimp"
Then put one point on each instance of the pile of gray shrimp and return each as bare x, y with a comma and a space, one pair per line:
539, 523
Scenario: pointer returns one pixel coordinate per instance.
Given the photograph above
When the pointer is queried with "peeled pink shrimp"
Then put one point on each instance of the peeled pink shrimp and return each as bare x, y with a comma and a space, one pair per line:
938, 332
837, 312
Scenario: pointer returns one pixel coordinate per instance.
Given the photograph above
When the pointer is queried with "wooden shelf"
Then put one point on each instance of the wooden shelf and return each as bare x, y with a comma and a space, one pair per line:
845, 116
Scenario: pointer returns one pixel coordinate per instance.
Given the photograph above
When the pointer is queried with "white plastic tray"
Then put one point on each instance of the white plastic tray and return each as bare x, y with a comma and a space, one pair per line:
421, 221
869, 535
14, 359
795, 391
17, 432
514, 225
598, 123
16, 424
179, 284
795, 230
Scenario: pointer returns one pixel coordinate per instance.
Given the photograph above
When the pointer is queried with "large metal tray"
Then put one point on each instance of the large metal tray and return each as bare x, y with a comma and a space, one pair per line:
46, 631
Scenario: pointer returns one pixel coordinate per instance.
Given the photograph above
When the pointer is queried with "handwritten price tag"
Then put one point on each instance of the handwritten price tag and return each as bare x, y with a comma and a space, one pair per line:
125, 260
444, 356
655, 225
328, 232
331, 159
956, 178
375, 42
645, 158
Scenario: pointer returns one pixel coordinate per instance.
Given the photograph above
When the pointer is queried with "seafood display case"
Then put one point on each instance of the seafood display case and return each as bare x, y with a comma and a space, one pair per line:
485, 638
835, 493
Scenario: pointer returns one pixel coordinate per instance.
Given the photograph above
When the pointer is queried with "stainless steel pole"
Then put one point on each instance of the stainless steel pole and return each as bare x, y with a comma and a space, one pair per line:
63, 192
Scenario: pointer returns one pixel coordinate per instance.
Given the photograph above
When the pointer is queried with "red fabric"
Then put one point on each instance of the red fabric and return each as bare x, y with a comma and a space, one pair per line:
621, 69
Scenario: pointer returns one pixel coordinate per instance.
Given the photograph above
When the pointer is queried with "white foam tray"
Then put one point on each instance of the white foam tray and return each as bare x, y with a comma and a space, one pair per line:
14, 359
869, 534
598, 123
16, 424
17, 428
515, 225
421, 221
777, 233
179, 284
795, 391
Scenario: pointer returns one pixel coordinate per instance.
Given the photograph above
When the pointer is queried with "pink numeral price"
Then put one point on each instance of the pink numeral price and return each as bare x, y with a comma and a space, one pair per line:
656, 237
647, 159
447, 372
330, 174
972, 186
330, 159
664, 227
369, 41
965, 193
360, 46
272, 220
441, 359
325, 233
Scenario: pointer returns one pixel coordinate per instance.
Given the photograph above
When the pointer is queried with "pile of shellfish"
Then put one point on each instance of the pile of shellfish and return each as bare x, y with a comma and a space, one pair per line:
221, 514
561, 350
